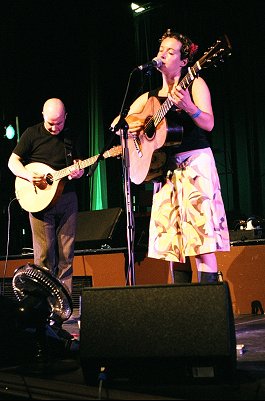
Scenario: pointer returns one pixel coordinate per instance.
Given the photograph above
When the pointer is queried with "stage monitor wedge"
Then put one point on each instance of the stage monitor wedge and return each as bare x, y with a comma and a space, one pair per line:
100, 228
157, 333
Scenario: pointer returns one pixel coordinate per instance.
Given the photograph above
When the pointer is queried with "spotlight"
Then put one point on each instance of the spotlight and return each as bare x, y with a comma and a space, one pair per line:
139, 9
10, 132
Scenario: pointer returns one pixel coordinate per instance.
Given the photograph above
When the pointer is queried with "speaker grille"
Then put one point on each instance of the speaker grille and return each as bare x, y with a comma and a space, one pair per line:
79, 283
8, 289
159, 329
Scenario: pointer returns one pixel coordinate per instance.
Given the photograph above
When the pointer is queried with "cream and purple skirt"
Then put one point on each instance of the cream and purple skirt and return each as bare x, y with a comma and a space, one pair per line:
188, 216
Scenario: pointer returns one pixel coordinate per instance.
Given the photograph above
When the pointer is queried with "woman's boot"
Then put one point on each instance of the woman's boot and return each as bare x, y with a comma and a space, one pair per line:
181, 272
208, 277
182, 276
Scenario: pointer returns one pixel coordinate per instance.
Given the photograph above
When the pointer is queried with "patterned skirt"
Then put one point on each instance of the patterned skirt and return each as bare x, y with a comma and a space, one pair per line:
188, 216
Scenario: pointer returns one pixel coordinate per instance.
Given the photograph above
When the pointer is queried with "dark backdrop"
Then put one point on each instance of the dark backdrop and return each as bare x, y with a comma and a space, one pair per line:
47, 48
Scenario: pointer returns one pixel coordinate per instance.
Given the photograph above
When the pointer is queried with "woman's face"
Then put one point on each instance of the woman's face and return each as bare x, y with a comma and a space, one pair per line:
169, 53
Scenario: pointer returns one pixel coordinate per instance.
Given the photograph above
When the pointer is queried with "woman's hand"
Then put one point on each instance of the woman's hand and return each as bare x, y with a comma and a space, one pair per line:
181, 98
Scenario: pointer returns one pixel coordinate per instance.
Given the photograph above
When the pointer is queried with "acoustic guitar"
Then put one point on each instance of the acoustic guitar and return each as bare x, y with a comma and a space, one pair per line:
145, 149
38, 197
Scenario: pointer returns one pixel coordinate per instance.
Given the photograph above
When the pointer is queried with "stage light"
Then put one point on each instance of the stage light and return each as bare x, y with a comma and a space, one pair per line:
10, 132
137, 9
134, 6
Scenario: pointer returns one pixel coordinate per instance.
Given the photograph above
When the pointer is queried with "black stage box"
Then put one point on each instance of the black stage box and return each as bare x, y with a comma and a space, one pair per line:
100, 229
151, 334
246, 235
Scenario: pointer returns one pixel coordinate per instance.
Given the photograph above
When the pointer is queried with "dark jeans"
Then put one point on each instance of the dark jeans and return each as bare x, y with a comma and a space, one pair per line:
53, 234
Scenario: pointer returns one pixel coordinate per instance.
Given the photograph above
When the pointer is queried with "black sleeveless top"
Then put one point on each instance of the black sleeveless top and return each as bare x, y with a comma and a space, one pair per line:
193, 136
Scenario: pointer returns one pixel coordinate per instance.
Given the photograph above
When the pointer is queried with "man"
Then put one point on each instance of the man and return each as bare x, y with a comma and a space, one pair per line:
53, 228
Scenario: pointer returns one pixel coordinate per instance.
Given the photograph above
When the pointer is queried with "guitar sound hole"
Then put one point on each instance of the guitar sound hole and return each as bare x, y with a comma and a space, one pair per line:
49, 179
149, 129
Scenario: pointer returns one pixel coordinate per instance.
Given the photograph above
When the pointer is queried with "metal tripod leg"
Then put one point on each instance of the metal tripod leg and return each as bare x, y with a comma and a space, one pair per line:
171, 267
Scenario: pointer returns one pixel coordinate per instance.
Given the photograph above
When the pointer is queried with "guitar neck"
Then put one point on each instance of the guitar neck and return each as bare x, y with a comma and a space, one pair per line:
184, 84
191, 75
58, 175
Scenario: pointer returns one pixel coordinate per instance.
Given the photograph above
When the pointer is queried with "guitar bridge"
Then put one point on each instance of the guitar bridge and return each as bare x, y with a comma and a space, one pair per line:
137, 144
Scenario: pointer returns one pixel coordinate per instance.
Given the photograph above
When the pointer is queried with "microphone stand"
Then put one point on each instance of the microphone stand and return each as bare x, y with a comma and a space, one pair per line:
123, 127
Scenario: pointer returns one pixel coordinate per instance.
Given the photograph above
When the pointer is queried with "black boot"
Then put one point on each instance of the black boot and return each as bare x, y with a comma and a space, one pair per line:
182, 276
181, 272
209, 277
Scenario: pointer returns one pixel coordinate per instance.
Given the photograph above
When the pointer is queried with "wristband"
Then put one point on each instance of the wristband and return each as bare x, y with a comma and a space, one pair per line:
195, 115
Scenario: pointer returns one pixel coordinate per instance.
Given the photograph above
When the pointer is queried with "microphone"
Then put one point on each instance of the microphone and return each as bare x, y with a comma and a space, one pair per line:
155, 63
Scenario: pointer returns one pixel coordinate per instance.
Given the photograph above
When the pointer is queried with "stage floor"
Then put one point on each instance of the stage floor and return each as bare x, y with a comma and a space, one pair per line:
63, 377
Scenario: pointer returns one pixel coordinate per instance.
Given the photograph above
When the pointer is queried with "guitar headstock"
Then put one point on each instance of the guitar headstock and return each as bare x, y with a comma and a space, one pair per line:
216, 53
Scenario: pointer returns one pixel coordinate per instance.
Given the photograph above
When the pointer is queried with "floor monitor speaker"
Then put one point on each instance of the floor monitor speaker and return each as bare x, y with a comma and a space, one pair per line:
157, 333
100, 228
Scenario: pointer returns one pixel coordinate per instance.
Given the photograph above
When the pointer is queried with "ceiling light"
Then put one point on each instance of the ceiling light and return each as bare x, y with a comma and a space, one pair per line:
137, 9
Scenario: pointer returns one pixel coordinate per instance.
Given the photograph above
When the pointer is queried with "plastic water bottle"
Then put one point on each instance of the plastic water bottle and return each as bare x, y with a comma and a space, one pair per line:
220, 276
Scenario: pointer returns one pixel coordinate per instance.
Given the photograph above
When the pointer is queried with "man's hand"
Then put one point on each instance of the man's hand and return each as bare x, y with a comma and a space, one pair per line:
76, 172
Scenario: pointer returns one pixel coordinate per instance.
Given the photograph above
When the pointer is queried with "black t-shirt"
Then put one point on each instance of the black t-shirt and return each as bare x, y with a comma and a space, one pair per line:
38, 145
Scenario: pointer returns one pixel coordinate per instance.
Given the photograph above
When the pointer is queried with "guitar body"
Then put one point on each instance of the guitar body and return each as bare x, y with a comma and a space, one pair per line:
34, 198
150, 139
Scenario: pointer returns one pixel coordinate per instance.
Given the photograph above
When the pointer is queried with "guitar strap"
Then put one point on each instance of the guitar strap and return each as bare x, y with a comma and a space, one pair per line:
68, 148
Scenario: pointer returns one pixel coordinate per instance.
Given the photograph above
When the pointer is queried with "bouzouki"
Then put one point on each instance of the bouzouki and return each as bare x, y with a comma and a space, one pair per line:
38, 197
145, 158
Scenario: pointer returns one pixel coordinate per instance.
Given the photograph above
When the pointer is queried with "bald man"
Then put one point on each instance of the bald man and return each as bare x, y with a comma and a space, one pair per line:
51, 147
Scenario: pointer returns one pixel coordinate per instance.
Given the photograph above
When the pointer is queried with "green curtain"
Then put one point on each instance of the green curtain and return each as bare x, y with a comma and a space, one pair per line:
98, 182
